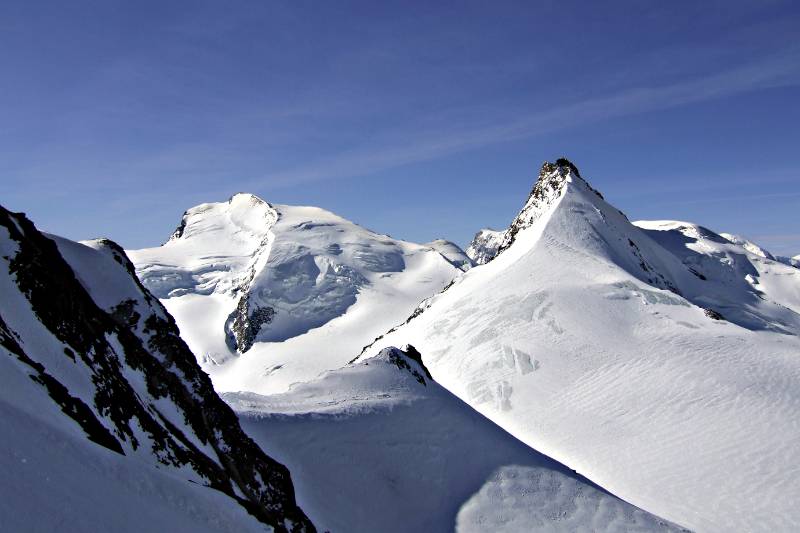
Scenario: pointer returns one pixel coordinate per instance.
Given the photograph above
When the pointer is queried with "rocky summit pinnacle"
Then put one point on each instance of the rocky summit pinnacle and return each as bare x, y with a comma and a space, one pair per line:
563, 162
548, 187
488, 244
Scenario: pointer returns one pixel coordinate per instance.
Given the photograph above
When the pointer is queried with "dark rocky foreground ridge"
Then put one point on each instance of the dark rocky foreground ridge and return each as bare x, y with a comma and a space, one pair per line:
91, 368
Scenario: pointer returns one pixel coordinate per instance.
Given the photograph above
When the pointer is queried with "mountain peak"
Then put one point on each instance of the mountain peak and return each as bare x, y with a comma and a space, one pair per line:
562, 164
243, 211
246, 197
751, 247
548, 188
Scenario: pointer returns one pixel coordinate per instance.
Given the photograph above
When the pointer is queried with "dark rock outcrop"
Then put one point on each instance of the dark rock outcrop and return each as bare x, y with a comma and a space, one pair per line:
408, 359
243, 324
178, 233
104, 347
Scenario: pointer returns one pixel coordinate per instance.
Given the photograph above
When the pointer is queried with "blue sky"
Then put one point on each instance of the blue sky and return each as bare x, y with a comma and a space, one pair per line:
420, 120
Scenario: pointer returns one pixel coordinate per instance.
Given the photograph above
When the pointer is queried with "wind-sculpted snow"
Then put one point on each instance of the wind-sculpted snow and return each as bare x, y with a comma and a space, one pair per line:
660, 360
297, 290
88, 354
379, 446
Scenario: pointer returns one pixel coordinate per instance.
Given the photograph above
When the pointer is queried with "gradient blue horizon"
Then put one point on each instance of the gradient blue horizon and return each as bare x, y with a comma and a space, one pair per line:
417, 119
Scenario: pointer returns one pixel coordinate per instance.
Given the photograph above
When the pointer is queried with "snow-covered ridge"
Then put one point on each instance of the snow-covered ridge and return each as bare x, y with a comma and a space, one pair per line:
547, 189
94, 366
393, 451
751, 247
589, 335
278, 282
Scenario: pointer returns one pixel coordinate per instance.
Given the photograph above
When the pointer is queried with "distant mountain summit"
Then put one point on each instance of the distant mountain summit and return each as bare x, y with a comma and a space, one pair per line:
451, 251
547, 188
277, 282
792, 261
484, 245
108, 423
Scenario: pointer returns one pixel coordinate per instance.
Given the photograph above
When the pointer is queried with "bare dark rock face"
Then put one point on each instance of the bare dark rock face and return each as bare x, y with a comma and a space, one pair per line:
178, 233
244, 324
138, 335
408, 360
413, 354
566, 163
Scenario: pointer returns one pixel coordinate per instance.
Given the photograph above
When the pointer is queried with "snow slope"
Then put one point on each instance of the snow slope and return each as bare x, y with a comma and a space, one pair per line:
380, 446
662, 360
108, 424
56, 480
267, 295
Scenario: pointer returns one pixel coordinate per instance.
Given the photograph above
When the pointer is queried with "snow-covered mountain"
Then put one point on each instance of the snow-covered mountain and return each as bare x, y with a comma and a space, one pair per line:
450, 251
739, 277
379, 446
267, 295
791, 261
484, 245
107, 422
750, 246
659, 359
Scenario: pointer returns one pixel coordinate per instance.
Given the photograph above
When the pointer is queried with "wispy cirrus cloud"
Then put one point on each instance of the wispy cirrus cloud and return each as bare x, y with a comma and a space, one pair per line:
410, 146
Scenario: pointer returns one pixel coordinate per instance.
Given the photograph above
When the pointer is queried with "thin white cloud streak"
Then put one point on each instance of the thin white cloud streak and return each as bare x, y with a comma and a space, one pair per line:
728, 198
778, 71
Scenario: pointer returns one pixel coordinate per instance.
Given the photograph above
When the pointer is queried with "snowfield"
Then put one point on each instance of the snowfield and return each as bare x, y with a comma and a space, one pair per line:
267, 295
660, 360
379, 446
